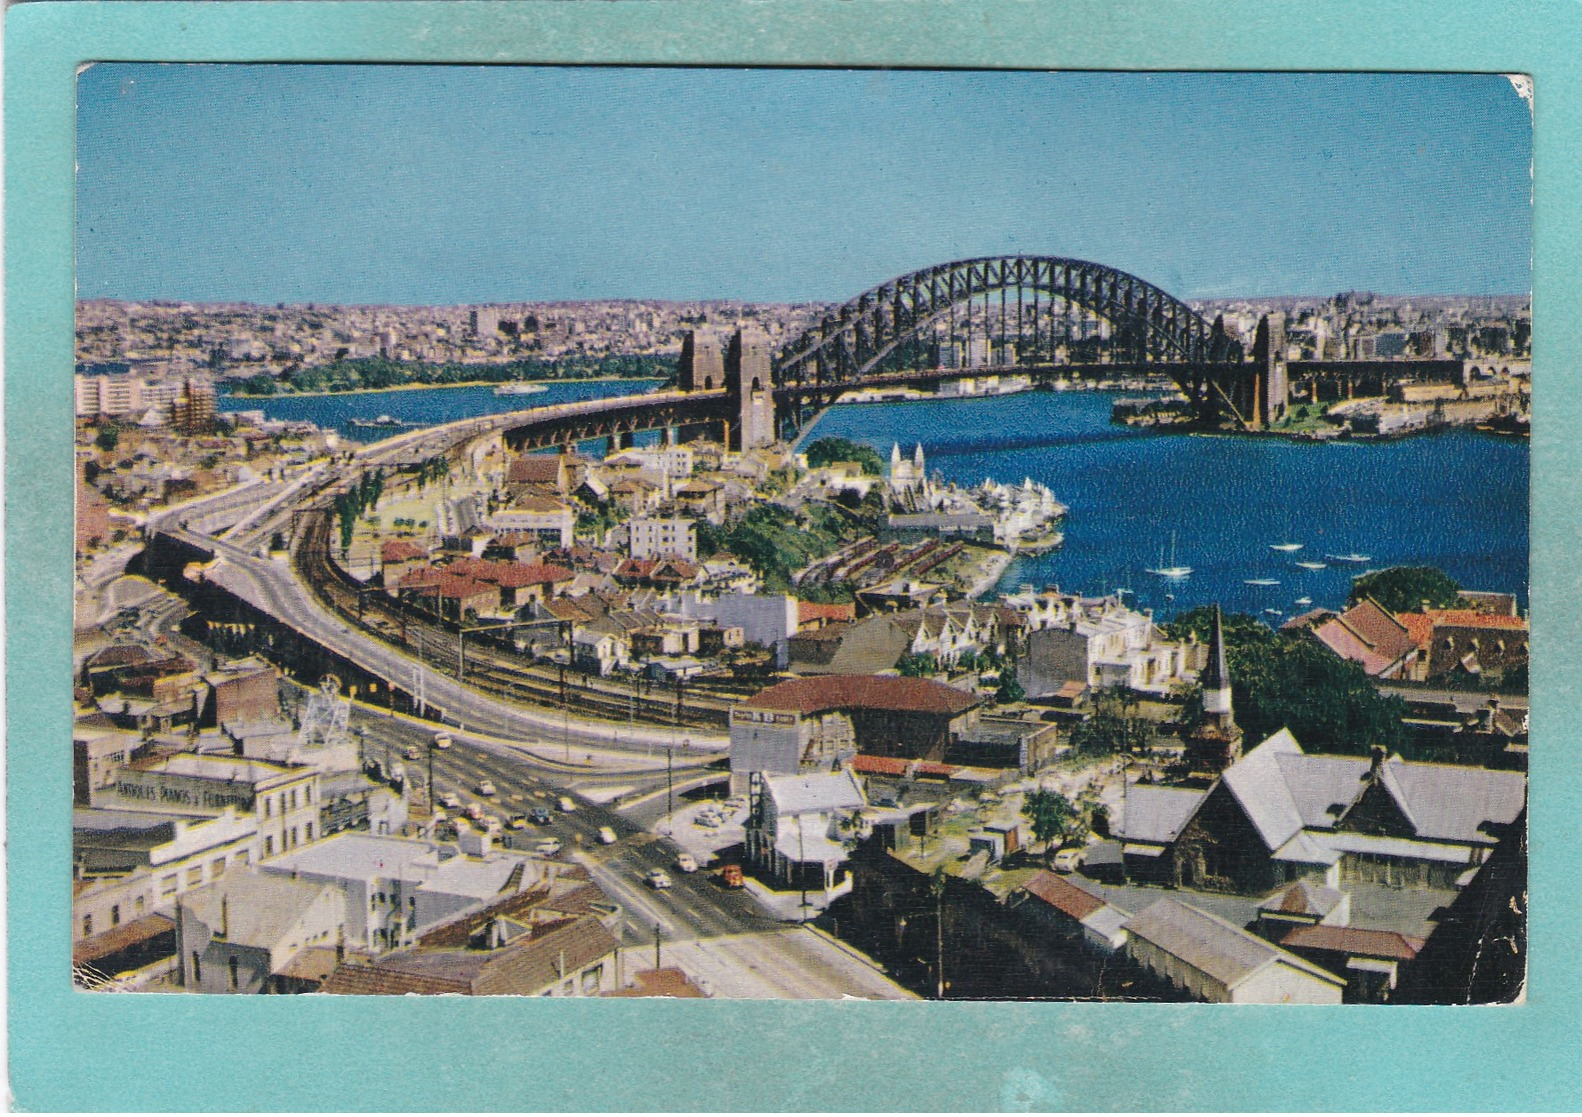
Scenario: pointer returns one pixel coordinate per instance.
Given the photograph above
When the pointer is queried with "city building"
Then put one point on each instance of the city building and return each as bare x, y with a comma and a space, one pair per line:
1213, 960
652, 537
810, 724
253, 932
1096, 641
800, 828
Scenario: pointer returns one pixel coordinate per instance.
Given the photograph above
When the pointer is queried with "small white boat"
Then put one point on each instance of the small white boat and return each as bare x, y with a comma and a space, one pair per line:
1285, 546
1273, 612
1353, 557
1304, 601
1261, 581
517, 388
1313, 565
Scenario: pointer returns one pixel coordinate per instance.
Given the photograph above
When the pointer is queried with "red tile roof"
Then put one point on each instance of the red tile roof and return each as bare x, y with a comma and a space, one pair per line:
807, 611
660, 983
117, 939
535, 469
865, 765
1062, 895
1474, 618
872, 692
1354, 940
399, 550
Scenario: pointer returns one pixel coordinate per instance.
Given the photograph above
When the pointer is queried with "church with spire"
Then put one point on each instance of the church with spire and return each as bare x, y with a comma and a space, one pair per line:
1215, 744
907, 476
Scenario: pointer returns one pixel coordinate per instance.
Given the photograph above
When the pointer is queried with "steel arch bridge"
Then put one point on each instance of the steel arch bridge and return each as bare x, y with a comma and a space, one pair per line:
1149, 328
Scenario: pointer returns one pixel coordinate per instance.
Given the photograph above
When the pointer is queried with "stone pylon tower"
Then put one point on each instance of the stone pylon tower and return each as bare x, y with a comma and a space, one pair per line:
702, 367
1216, 743
748, 377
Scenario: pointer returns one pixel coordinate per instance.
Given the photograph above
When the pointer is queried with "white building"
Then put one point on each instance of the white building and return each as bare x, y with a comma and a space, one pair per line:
800, 827
652, 537
1099, 642
242, 934
769, 619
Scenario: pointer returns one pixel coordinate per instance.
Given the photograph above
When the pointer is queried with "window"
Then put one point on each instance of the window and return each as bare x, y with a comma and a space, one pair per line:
197, 967
167, 886
137, 905
293, 798
293, 837
307, 832
233, 973
243, 857
307, 794
269, 807
591, 979
269, 845
115, 915
217, 868
87, 926
195, 876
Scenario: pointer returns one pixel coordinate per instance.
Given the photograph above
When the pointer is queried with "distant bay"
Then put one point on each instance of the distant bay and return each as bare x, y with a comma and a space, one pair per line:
420, 406
1457, 500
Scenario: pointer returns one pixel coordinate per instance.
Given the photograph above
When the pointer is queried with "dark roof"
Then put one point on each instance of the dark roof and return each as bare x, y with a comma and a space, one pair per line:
117, 939
535, 469
1062, 895
872, 692
399, 550
524, 966
1354, 940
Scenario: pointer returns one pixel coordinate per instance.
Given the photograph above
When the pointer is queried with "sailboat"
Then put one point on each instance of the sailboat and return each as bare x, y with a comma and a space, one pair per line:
1313, 565
1173, 570
1262, 581
1304, 601
1286, 546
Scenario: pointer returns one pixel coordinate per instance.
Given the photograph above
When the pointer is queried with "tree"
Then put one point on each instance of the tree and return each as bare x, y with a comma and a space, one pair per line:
916, 665
828, 450
1009, 691
1405, 589
109, 437
1052, 816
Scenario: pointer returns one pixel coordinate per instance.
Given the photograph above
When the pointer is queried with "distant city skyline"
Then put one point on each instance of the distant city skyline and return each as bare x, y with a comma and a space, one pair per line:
441, 185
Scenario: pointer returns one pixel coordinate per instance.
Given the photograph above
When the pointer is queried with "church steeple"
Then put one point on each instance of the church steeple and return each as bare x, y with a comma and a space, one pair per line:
1216, 743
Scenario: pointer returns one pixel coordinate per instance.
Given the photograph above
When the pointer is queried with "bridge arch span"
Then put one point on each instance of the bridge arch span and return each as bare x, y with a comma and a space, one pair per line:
850, 343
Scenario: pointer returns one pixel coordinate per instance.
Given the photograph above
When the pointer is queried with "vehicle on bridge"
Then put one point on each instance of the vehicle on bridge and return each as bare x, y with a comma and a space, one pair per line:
607, 836
450, 800
658, 878
486, 787
687, 863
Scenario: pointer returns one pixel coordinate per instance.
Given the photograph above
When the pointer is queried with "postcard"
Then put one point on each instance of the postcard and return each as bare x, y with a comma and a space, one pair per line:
569, 558
516, 557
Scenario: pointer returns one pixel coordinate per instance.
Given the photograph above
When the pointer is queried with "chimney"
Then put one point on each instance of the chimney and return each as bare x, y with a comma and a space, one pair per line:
340, 944
225, 916
1375, 761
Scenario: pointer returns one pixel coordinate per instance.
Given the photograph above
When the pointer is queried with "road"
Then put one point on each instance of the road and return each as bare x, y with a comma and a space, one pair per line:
272, 586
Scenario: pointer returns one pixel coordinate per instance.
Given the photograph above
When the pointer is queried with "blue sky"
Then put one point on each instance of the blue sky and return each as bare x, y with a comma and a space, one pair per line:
450, 184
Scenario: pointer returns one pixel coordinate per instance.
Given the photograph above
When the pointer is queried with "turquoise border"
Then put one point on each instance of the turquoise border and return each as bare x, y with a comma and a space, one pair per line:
81, 1052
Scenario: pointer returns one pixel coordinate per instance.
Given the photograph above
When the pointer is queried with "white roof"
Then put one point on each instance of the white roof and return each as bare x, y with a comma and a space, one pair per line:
1158, 814
806, 838
362, 857
479, 879
1214, 946
815, 792
258, 908
1258, 783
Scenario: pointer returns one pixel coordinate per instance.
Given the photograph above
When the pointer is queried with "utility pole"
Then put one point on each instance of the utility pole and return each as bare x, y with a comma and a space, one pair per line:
670, 785
565, 715
656, 947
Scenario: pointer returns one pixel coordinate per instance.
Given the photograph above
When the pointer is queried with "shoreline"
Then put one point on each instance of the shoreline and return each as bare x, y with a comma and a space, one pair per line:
430, 387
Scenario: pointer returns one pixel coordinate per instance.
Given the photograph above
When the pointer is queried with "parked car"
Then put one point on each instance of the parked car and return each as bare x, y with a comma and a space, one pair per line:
687, 863
731, 877
517, 822
1068, 860
658, 878
566, 804
450, 800
413, 753
475, 811
607, 836
538, 816
485, 787
548, 847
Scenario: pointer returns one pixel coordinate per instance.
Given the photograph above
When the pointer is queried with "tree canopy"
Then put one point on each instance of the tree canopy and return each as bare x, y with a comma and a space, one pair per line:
1287, 680
827, 450
1051, 814
1404, 589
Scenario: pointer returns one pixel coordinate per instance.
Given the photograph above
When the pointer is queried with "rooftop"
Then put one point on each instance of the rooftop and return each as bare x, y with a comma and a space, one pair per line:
1213, 945
874, 692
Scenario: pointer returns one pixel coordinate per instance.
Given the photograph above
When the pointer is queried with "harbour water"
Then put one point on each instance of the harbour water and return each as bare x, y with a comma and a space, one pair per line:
1456, 500
421, 406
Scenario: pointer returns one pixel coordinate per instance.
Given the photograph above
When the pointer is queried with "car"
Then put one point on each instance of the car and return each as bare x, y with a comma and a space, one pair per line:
450, 800
486, 787
607, 836
566, 804
687, 863
538, 816
1068, 860
439, 816
413, 753
475, 811
548, 847
442, 740
731, 877
658, 878
517, 822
